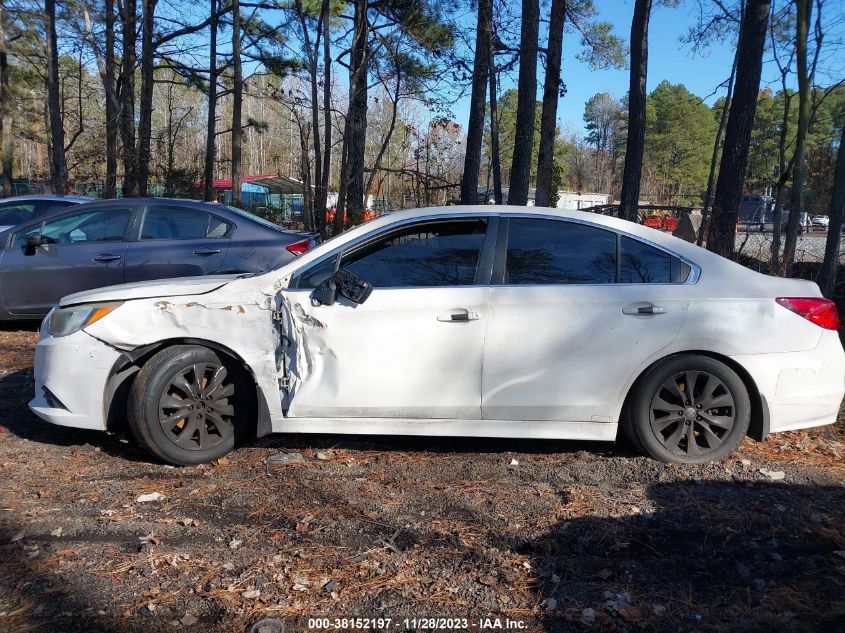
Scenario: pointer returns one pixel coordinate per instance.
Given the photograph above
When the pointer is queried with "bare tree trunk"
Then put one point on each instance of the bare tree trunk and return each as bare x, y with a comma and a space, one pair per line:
523, 145
322, 200
752, 39
145, 121
128, 22
237, 102
112, 106
312, 54
340, 206
634, 144
58, 166
6, 132
357, 116
105, 67
211, 123
780, 184
475, 129
827, 273
711, 178
495, 154
548, 118
796, 198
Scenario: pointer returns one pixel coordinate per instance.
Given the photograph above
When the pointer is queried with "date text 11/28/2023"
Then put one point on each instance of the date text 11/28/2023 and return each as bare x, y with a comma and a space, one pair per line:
416, 624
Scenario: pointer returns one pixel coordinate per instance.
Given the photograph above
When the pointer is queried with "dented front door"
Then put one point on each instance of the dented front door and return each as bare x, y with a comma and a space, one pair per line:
404, 353
413, 349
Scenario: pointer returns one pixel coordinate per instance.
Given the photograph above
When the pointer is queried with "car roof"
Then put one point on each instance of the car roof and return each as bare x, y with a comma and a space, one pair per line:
182, 202
46, 196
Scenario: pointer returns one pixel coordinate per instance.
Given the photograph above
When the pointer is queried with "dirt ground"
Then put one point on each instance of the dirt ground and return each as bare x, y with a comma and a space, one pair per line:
538, 536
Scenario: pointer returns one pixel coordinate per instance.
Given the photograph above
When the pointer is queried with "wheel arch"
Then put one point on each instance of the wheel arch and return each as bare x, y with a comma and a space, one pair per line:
758, 428
126, 367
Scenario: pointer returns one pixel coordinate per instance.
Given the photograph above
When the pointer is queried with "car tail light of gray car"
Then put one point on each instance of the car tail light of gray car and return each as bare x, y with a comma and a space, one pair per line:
822, 312
301, 247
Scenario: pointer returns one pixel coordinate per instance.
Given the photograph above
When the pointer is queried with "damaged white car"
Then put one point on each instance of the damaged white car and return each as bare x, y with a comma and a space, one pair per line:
460, 321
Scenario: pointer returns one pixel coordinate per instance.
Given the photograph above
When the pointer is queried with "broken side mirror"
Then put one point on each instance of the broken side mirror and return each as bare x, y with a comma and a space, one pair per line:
352, 287
33, 241
344, 283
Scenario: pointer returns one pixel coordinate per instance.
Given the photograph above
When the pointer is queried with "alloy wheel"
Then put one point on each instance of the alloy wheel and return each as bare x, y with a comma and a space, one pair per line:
692, 413
194, 408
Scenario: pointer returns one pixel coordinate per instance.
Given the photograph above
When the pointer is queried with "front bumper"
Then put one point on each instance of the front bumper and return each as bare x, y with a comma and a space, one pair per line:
802, 389
71, 374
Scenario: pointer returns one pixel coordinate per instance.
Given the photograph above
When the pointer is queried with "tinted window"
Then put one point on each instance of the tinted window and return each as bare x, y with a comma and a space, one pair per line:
167, 223
641, 263
557, 252
11, 214
103, 225
429, 254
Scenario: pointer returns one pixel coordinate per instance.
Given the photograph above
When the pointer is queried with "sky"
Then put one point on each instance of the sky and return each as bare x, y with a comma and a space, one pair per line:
668, 59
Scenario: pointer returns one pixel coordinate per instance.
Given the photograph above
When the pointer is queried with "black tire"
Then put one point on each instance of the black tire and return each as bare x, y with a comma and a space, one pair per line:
216, 413
672, 427
628, 428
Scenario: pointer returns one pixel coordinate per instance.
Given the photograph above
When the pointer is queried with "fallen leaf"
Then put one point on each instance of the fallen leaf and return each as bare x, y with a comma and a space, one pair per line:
188, 619
630, 612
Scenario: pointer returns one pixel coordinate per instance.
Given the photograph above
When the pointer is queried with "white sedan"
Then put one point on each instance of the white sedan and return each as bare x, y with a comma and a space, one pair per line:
459, 321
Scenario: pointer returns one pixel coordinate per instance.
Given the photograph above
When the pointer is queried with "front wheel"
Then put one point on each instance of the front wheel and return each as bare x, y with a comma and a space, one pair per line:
188, 405
690, 410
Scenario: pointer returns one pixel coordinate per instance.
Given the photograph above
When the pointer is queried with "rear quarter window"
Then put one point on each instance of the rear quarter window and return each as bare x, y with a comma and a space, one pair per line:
643, 264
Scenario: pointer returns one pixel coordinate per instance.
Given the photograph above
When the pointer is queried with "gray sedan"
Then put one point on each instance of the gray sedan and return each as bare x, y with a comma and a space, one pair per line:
117, 241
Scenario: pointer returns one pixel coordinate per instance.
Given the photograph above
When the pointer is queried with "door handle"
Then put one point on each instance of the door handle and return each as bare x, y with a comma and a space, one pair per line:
458, 315
206, 251
643, 310
106, 257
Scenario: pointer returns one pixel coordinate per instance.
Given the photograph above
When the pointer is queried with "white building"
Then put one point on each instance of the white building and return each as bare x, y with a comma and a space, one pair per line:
569, 200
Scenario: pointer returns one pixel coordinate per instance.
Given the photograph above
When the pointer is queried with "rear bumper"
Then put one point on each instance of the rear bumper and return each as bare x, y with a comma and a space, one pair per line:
802, 389
71, 374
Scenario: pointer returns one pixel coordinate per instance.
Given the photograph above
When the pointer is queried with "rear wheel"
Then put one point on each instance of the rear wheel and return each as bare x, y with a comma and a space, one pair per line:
690, 410
188, 405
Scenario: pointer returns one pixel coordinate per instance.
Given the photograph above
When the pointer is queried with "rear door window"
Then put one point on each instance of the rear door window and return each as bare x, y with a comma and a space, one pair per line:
170, 223
558, 252
643, 264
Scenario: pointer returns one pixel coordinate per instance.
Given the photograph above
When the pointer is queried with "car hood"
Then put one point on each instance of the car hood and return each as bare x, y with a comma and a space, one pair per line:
150, 289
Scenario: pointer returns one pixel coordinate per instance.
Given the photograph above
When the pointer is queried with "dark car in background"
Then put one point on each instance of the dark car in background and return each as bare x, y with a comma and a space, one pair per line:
14, 211
111, 242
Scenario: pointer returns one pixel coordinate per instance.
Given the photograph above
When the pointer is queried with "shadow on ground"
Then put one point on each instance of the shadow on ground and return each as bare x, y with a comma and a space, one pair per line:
707, 555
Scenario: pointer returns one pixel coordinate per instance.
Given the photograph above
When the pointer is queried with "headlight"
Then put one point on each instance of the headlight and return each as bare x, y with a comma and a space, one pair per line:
66, 321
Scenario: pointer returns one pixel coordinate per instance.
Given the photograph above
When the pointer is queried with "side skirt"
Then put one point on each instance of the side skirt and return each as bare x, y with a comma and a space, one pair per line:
529, 429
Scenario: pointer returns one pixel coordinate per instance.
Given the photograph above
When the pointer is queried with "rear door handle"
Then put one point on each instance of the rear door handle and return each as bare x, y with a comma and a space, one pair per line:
106, 257
643, 310
458, 315
206, 251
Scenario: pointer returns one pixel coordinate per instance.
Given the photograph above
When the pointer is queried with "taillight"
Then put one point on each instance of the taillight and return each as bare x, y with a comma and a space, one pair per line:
300, 247
822, 312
